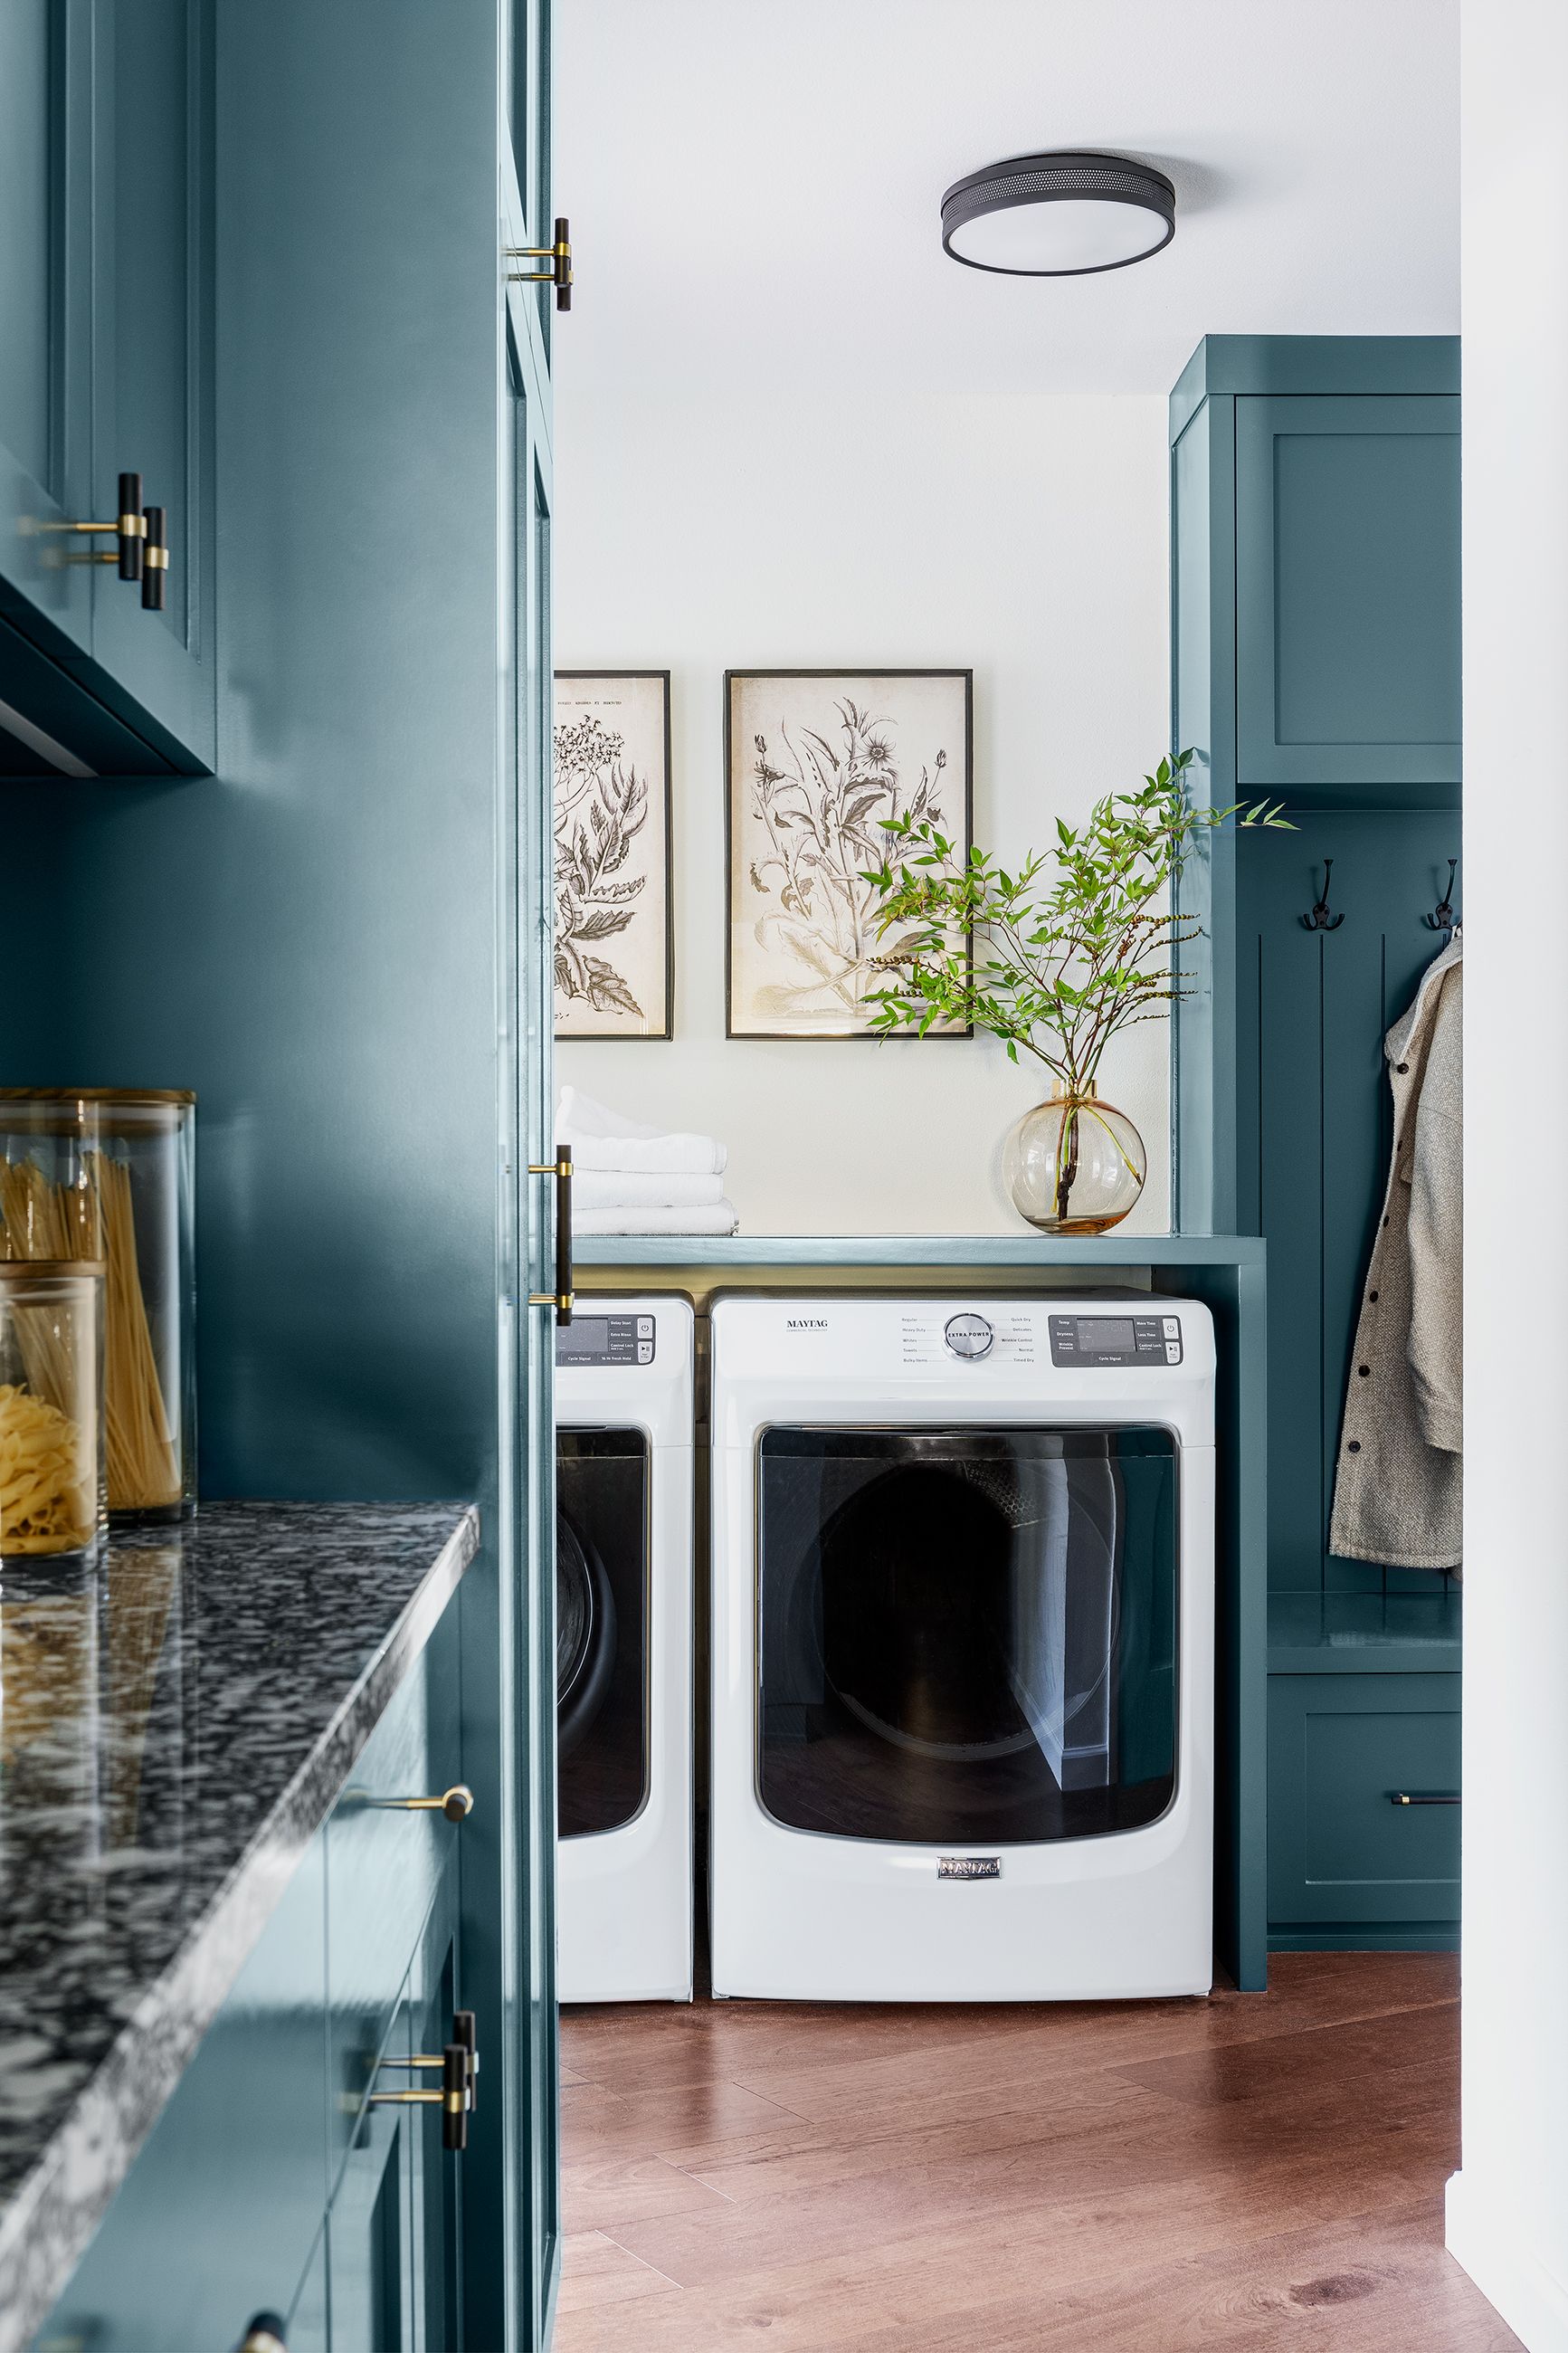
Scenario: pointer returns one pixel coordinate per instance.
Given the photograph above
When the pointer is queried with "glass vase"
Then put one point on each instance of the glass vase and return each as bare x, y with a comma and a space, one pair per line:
1074, 1165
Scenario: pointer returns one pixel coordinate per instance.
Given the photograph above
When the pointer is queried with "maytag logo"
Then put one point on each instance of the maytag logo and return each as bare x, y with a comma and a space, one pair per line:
806, 1322
969, 1866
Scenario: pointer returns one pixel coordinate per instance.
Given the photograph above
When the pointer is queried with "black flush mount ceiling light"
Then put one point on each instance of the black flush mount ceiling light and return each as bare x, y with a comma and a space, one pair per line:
1058, 216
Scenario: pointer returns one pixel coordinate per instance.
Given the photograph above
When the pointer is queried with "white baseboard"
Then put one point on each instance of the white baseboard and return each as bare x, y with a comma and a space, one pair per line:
1483, 2237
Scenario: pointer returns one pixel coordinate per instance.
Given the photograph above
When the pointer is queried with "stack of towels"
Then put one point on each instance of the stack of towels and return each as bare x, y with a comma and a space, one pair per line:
631, 1179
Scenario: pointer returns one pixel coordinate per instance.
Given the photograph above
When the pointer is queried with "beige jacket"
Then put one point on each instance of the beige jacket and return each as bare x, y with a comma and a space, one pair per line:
1399, 1482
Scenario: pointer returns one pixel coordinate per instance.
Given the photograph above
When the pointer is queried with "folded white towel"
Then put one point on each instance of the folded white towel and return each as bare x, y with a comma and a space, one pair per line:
602, 1138
718, 1219
623, 1188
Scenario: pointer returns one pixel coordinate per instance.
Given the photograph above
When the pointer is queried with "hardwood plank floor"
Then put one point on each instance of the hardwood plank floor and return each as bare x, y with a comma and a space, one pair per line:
1252, 2171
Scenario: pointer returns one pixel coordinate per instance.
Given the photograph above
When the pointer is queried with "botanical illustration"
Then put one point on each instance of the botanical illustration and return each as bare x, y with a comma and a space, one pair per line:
818, 766
612, 835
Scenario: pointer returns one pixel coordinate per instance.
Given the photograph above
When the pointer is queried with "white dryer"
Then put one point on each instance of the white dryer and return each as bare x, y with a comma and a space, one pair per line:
963, 1648
623, 1582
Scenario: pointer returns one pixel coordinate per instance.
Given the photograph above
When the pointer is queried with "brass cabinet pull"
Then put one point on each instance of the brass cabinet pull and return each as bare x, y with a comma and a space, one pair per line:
142, 536
559, 257
465, 2037
456, 1803
1422, 1797
455, 2098
561, 1298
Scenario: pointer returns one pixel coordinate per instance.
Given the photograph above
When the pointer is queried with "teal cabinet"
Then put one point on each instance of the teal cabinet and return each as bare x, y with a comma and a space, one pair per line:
1364, 1832
217, 2218
1347, 608
106, 157
1315, 597
275, 2179
384, 1864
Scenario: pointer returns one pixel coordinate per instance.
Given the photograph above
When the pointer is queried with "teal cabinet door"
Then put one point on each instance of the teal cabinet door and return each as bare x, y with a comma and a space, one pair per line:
438, 2173
1345, 1851
217, 2217
1347, 615
369, 2266
45, 303
153, 378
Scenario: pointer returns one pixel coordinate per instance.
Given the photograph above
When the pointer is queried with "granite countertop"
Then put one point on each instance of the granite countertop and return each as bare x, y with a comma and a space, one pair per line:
174, 1725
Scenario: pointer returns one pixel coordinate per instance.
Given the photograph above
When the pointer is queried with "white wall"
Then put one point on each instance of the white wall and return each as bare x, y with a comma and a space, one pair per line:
1507, 2208
1024, 536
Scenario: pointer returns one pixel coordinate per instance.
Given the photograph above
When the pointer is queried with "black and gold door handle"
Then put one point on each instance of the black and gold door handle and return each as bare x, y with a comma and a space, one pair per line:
561, 1297
141, 542
1423, 1798
455, 2099
559, 257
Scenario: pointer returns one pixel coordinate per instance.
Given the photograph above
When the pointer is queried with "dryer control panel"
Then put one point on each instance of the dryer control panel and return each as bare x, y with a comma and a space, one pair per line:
607, 1340
1123, 1339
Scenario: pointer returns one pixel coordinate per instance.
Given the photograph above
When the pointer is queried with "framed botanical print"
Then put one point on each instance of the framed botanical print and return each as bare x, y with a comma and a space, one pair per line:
815, 761
615, 940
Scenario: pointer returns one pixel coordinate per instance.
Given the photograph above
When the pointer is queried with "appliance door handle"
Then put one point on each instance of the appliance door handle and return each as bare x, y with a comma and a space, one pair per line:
561, 1297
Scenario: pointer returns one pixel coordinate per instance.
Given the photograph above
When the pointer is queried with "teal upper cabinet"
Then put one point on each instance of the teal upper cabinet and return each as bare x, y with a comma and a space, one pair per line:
106, 368
1347, 548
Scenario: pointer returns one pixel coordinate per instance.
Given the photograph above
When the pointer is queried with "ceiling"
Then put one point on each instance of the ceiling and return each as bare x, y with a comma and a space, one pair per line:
754, 186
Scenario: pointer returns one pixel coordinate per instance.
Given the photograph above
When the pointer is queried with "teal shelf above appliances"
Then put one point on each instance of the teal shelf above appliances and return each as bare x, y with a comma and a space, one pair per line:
734, 1253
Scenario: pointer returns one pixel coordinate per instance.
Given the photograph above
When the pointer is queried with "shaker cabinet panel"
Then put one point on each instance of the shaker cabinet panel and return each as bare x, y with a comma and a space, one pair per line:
153, 387
1347, 520
216, 2219
1343, 1751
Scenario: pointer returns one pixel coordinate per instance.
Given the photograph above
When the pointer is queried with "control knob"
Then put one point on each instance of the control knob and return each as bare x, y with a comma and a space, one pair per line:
968, 1335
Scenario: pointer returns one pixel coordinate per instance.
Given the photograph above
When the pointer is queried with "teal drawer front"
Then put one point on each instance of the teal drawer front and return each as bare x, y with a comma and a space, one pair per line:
1341, 1750
383, 1869
217, 2217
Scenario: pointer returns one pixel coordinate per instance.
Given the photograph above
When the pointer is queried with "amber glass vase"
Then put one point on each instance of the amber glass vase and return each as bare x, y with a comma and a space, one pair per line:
1074, 1165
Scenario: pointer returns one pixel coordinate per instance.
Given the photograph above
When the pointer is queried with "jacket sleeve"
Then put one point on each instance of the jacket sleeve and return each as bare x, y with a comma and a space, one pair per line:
1436, 1346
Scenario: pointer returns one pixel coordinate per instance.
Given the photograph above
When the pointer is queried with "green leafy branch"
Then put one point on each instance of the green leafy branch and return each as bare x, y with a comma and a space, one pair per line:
1080, 942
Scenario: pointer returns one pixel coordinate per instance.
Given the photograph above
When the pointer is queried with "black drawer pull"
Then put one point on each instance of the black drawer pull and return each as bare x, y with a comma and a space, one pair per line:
1421, 1797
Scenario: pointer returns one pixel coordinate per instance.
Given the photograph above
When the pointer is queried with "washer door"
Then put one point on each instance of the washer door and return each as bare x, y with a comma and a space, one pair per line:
602, 1589
967, 1635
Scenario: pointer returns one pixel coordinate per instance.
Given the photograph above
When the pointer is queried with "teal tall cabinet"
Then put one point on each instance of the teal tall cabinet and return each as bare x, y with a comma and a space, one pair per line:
338, 937
1315, 548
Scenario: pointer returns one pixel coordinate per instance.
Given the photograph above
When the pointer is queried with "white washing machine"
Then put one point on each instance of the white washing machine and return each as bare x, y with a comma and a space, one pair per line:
623, 1584
962, 1681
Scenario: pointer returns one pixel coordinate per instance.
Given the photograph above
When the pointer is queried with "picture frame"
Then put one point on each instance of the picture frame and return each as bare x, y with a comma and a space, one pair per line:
615, 911
812, 759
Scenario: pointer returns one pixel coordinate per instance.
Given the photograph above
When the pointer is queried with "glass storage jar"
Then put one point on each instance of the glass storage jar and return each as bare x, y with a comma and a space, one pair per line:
109, 1173
53, 1490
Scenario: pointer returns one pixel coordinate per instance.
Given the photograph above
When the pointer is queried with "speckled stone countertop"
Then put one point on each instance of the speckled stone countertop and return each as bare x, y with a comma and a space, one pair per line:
174, 1725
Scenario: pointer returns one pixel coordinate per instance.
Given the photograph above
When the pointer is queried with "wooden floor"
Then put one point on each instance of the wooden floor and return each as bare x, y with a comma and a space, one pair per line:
1252, 2171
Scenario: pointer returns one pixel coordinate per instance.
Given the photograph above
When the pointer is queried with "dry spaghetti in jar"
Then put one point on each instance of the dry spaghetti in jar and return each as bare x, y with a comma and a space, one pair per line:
109, 1174
53, 1484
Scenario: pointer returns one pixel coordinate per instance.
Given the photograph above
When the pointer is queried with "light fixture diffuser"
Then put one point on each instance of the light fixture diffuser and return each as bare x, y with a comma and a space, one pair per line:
1058, 216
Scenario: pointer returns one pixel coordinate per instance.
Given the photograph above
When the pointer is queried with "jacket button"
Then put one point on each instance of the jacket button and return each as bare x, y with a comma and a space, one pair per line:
1401, 1068
1354, 1446
1363, 1370
1372, 1294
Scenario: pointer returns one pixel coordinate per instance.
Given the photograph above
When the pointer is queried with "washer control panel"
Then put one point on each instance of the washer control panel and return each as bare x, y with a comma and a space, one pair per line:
606, 1340
1124, 1339
969, 1336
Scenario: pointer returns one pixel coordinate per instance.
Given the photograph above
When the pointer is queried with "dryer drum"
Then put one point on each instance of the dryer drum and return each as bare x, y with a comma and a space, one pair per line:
584, 1633
922, 1572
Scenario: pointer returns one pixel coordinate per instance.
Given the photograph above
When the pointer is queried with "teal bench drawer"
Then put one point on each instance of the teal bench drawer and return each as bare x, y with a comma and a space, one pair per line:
384, 1866
1341, 1750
